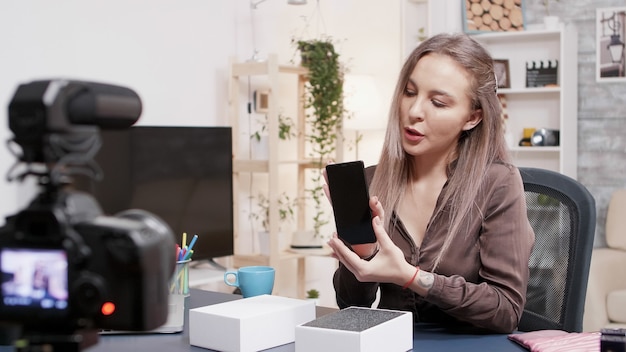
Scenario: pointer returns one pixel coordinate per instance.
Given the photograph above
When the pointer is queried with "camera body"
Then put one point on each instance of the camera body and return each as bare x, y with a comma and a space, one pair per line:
65, 265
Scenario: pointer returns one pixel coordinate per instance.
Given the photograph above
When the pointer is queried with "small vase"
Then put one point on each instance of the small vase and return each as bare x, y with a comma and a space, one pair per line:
260, 149
264, 242
315, 300
551, 22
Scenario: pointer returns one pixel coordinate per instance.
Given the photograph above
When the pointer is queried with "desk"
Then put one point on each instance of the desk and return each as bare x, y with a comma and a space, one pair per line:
425, 338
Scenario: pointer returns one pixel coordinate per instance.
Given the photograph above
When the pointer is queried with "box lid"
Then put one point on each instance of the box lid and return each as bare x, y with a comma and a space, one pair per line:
354, 319
252, 306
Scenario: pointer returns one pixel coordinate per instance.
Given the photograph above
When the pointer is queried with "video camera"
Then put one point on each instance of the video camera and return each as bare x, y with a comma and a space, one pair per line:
65, 266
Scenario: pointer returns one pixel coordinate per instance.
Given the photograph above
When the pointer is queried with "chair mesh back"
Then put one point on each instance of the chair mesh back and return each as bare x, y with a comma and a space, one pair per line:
552, 222
563, 215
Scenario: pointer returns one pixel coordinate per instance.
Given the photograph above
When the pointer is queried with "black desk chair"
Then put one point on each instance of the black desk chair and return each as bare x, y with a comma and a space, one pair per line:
563, 214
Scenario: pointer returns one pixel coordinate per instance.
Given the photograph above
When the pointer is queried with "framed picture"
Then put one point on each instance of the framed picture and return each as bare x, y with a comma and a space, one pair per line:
501, 69
493, 16
610, 38
261, 101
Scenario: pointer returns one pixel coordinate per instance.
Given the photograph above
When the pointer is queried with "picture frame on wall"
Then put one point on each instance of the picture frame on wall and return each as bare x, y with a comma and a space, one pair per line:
610, 39
493, 16
261, 101
501, 69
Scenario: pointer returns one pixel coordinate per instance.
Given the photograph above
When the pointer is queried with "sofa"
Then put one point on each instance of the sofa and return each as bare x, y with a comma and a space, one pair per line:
605, 305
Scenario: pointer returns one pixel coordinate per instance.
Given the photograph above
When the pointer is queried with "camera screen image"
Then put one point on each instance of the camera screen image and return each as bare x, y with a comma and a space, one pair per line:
34, 278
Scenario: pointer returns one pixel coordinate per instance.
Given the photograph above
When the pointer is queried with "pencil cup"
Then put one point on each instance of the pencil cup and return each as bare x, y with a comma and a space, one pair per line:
179, 284
179, 290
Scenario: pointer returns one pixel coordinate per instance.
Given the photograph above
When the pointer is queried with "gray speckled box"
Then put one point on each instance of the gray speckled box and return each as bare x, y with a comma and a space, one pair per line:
357, 330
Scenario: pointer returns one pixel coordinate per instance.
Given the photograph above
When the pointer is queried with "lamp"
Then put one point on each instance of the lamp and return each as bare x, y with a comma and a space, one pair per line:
616, 46
362, 101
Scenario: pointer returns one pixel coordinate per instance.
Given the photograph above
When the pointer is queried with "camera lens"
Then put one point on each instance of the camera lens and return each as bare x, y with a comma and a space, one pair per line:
89, 293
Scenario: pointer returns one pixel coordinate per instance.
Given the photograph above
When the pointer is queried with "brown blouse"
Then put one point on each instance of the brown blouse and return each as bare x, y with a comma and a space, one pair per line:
481, 280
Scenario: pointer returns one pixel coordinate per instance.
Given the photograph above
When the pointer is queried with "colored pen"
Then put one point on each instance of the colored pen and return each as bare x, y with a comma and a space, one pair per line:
177, 251
193, 242
188, 255
184, 240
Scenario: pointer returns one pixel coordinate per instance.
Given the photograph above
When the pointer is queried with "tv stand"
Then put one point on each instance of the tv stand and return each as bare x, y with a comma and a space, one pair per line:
208, 274
195, 264
216, 265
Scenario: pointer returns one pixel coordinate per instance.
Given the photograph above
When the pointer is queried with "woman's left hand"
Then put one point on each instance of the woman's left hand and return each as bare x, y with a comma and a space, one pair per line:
388, 265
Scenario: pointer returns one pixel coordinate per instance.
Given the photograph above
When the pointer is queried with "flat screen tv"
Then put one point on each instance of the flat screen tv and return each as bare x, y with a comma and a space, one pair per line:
181, 174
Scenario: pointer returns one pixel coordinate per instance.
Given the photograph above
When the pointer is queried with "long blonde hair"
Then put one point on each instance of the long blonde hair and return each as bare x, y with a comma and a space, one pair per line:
476, 149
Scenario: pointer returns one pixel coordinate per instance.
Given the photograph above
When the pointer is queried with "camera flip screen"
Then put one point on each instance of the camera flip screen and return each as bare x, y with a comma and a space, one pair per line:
34, 278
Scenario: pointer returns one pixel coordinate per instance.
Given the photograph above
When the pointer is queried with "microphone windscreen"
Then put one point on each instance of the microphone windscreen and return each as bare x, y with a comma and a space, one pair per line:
104, 105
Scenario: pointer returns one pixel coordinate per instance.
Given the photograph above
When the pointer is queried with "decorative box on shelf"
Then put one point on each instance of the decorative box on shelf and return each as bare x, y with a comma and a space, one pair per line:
541, 73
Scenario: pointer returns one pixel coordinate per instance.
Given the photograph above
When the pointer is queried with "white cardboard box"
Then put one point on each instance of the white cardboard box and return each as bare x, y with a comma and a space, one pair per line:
249, 324
357, 330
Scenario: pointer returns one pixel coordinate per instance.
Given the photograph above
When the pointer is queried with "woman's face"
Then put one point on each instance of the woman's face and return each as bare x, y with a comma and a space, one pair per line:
436, 107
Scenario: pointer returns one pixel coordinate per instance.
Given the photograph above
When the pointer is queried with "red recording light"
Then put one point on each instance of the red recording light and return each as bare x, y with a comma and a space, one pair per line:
108, 308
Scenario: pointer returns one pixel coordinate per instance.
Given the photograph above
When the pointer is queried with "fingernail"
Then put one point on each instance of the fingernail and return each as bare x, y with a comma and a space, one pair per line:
377, 220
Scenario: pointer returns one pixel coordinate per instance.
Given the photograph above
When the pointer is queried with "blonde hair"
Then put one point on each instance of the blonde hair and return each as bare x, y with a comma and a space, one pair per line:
476, 149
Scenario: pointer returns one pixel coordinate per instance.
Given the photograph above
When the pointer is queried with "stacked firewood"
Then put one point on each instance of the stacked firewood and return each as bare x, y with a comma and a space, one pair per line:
494, 15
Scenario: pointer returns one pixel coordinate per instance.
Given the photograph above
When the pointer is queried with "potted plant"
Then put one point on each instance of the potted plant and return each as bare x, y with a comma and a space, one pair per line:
286, 128
550, 21
313, 295
324, 105
285, 214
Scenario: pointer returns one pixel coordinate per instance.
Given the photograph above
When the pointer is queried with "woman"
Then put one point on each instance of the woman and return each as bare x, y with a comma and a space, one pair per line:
453, 239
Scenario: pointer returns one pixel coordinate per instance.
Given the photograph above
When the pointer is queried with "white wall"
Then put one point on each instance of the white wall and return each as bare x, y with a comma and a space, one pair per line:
175, 54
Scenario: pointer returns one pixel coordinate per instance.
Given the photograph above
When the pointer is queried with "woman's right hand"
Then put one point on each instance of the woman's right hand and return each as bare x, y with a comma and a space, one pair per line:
388, 265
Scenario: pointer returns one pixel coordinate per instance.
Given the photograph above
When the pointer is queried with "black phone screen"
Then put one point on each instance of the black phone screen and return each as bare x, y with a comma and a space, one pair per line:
350, 199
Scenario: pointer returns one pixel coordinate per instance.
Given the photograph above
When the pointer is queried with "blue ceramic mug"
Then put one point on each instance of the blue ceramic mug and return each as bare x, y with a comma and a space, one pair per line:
252, 280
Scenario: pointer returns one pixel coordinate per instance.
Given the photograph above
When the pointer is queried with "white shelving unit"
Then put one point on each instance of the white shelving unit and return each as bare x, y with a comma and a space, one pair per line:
273, 166
549, 107
271, 70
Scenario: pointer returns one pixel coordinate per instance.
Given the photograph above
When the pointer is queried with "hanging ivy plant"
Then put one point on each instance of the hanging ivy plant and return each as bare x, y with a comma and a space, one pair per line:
323, 102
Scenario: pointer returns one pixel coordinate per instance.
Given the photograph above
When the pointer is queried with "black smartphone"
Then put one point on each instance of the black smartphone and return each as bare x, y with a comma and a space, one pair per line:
350, 199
